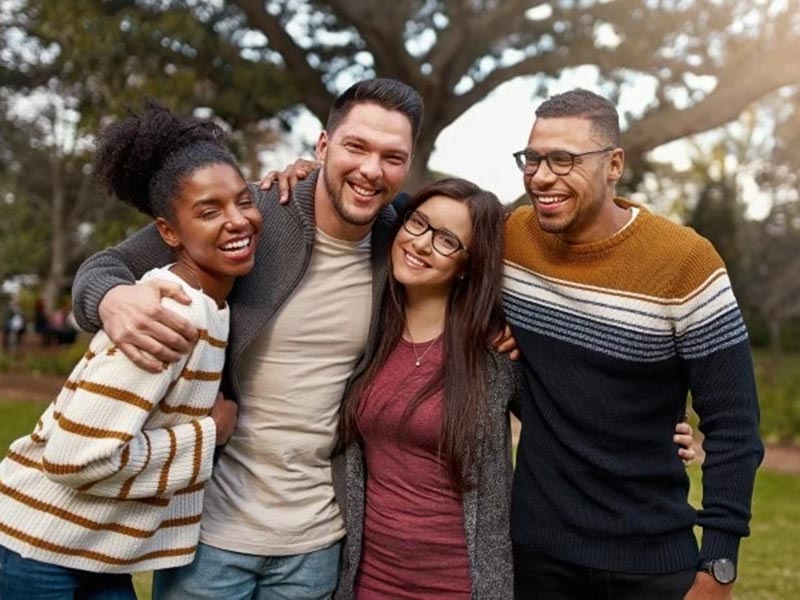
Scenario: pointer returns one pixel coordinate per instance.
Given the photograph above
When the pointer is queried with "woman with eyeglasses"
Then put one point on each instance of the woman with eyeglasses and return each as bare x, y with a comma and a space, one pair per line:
426, 426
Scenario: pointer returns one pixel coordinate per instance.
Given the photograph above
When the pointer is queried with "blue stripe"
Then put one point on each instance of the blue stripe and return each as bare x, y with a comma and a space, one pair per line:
587, 333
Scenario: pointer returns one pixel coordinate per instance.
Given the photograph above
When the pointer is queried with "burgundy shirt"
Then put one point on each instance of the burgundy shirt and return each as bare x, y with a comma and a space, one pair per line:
414, 541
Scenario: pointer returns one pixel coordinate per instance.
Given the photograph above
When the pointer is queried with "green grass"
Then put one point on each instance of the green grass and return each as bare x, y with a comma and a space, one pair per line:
779, 396
768, 565
769, 568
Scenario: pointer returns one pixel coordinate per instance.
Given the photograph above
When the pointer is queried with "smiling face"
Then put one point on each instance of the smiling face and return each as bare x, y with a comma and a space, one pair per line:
420, 268
214, 228
578, 207
364, 162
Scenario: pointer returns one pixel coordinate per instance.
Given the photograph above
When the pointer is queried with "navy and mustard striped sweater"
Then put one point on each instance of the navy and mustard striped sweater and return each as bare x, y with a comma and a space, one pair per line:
613, 335
111, 478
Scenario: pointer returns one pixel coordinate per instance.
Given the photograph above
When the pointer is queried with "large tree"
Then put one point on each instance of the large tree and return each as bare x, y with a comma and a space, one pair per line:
707, 60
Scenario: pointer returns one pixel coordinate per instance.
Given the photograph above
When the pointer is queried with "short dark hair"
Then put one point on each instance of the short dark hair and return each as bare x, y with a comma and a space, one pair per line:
390, 94
143, 158
586, 105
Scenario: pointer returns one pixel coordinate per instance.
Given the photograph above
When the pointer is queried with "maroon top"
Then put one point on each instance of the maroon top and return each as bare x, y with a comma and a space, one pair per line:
414, 541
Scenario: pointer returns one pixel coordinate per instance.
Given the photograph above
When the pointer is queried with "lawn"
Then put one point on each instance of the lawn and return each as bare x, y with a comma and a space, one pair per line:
769, 565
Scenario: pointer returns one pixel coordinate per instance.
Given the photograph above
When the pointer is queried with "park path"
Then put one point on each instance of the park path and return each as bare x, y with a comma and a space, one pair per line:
26, 387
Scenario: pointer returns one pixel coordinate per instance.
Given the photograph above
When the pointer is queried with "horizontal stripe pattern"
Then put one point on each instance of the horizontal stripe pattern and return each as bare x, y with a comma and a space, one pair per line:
633, 327
107, 481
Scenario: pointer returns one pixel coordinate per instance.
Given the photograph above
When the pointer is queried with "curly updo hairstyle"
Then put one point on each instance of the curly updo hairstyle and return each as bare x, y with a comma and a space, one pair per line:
143, 158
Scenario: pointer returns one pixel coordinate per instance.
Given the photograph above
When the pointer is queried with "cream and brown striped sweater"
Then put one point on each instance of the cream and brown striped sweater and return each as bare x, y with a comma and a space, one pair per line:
111, 479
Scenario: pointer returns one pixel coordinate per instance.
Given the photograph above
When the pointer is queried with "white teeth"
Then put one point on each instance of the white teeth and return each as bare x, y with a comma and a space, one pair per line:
362, 190
237, 245
549, 199
415, 261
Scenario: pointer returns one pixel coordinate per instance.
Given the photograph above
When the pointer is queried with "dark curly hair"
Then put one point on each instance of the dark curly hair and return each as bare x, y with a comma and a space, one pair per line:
143, 158
586, 105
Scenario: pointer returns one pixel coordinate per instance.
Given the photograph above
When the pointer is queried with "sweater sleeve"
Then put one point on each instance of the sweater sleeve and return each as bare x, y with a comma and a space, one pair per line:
99, 443
121, 265
714, 345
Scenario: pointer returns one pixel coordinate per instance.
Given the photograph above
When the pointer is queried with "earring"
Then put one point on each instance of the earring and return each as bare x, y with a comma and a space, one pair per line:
462, 277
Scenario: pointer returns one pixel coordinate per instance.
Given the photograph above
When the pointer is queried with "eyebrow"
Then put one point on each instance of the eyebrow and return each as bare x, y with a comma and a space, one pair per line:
442, 229
356, 138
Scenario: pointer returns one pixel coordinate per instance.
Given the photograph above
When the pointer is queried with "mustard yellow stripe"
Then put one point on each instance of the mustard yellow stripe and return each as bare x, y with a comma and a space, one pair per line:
201, 375
191, 489
92, 432
77, 519
23, 460
211, 341
116, 394
198, 452
82, 552
173, 447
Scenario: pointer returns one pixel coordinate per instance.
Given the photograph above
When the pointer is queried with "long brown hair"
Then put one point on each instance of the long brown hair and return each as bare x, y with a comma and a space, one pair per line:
473, 316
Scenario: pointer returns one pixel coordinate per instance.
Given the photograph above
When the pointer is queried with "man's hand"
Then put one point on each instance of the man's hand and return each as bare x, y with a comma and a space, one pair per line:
145, 331
225, 414
505, 343
705, 587
683, 437
289, 177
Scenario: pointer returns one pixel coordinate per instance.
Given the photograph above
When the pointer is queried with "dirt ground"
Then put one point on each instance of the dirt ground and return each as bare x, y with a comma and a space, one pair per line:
25, 387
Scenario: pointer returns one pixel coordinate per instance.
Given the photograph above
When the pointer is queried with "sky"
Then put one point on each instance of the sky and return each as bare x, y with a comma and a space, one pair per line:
479, 144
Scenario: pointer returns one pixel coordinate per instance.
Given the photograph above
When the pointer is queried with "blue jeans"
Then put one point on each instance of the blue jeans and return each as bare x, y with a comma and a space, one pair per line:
28, 579
217, 573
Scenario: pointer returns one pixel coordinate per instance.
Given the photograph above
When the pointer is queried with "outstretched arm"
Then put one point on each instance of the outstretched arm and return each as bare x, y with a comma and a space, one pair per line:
104, 295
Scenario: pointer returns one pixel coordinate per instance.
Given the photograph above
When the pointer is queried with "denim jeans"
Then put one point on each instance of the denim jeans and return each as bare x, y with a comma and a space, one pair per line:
216, 574
28, 579
538, 577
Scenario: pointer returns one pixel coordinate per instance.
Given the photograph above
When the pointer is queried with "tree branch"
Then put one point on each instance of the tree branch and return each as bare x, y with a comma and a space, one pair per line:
308, 80
738, 84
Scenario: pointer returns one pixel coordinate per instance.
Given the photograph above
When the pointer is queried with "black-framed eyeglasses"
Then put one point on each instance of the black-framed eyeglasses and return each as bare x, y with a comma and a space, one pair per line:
444, 242
561, 162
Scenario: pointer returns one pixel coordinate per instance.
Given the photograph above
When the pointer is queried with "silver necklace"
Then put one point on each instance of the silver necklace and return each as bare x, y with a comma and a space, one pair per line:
419, 357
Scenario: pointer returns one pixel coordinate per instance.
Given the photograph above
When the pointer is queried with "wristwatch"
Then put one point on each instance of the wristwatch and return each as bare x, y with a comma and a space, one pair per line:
723, 570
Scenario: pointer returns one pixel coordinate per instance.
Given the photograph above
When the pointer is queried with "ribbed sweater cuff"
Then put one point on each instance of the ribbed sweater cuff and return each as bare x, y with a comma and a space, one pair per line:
719, 544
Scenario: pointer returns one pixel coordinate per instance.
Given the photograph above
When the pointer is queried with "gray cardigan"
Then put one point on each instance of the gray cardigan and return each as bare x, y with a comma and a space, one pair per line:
282, 256
487, 506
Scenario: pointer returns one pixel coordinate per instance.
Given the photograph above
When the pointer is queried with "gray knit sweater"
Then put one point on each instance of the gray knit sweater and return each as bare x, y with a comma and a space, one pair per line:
282, 256
487, 505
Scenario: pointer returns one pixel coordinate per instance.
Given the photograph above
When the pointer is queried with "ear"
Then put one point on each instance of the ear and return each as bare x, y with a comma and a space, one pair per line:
322, 146
168, 233
616, 165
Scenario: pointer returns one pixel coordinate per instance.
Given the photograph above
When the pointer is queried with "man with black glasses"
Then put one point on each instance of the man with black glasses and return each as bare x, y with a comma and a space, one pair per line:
618, 313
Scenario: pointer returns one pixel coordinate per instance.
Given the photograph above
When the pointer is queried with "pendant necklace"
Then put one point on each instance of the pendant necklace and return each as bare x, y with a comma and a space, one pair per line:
419, 357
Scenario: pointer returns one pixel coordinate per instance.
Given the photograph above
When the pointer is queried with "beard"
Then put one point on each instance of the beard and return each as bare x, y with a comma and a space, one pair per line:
336, 195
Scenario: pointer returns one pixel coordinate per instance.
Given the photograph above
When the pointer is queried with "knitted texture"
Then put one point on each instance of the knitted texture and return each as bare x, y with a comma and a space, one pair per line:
613, 335
486, 505
111, 478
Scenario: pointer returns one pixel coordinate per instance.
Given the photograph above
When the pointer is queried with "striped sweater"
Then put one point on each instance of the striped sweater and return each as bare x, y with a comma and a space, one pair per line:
111, 478
613, 335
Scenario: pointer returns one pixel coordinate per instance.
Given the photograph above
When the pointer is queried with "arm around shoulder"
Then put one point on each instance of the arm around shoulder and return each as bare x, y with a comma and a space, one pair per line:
120, 265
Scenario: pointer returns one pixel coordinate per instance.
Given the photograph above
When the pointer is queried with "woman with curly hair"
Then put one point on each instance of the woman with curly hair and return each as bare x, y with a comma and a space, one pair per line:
111, 479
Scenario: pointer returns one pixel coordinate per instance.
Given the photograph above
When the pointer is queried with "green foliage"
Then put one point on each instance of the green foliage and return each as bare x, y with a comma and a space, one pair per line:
59, 361
779, 396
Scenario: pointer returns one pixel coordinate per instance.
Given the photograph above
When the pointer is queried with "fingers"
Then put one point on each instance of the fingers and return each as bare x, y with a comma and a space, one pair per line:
684, 428
225, 413
144, 330
141, 359
268, 180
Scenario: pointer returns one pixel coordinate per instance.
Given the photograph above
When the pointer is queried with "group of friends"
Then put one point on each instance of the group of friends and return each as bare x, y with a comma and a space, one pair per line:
301, 389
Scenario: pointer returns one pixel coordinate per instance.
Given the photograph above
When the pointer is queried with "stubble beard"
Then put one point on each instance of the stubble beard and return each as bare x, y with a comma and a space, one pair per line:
335, 194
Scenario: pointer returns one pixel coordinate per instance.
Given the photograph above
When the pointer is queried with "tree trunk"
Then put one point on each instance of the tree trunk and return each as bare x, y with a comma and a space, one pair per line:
419, 175
776, 349
58, 236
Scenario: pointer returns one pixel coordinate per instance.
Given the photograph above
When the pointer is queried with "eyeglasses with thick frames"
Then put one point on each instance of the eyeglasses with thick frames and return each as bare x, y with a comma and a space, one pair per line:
561, 162
444, 242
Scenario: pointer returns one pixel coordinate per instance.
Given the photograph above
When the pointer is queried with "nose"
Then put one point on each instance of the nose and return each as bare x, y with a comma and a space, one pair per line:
543, 177
236, 219
423, 243
371, 166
